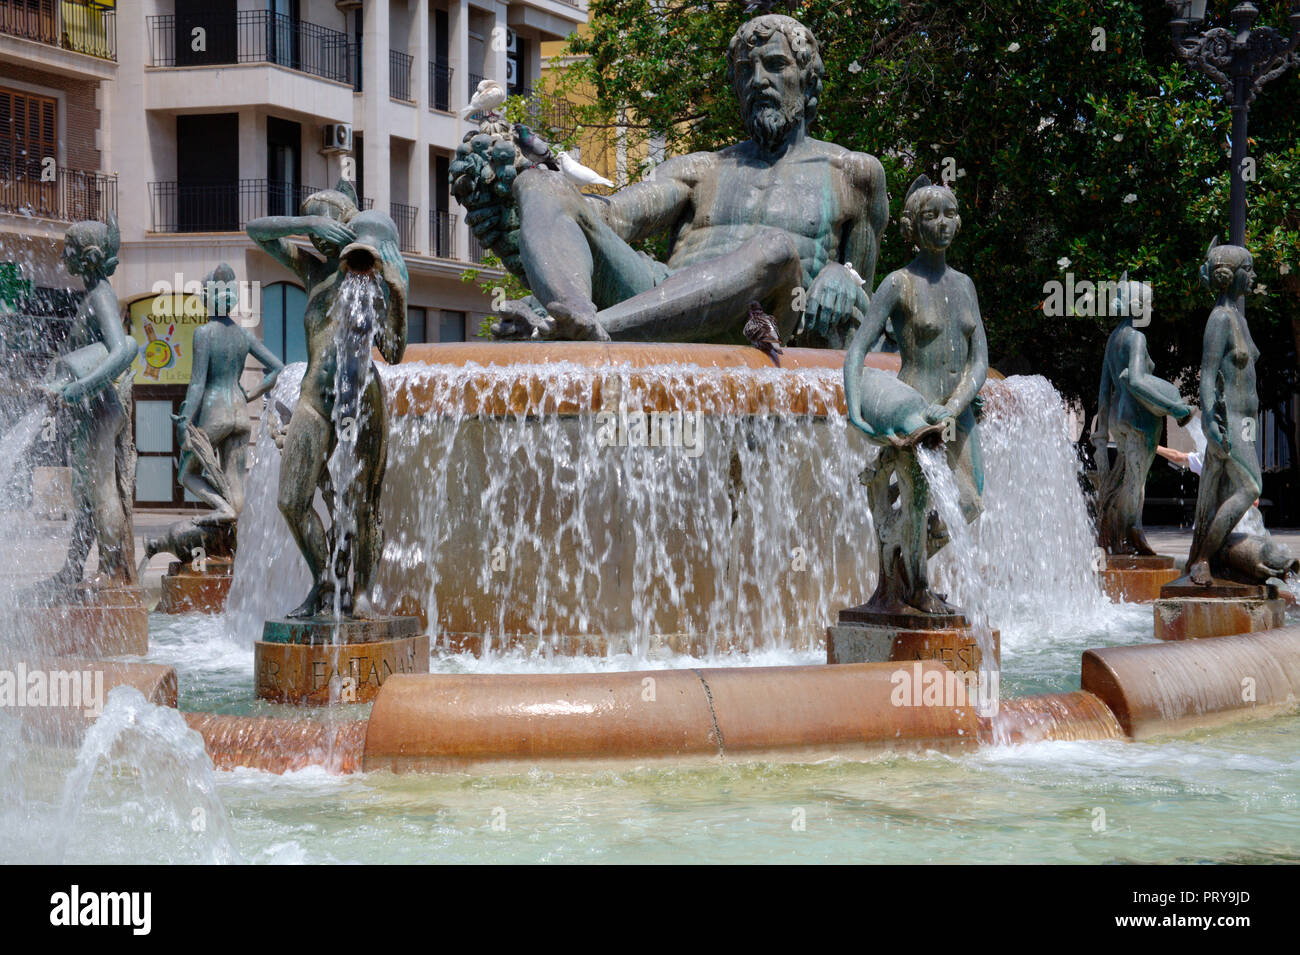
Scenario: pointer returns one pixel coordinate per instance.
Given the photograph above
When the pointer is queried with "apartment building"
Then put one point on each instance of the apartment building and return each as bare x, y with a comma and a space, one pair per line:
189, 118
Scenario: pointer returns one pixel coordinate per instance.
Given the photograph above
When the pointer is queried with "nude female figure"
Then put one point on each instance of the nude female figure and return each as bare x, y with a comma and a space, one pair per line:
936, 319
216, 403
1132, 404
93, 387
1230, 476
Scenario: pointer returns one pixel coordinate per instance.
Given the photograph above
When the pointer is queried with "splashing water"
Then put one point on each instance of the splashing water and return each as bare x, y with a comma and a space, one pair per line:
15, 442
354, 312
154, 744
744, 531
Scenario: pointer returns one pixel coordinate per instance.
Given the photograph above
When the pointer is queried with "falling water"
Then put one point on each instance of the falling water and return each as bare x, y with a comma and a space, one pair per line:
15, 442
750, 533
353, 314
171, 770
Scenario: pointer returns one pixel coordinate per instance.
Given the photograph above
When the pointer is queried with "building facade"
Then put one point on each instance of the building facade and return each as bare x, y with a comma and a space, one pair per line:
189, 118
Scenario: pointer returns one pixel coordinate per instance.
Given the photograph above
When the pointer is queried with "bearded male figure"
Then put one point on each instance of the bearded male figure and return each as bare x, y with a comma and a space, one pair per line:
781, 219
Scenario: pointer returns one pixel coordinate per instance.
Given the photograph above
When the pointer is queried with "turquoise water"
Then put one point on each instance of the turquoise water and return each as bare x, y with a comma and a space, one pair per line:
1228, 795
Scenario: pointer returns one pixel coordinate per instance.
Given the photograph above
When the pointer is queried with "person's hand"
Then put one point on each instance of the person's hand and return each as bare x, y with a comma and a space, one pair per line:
330, 230
830, 300
55, 394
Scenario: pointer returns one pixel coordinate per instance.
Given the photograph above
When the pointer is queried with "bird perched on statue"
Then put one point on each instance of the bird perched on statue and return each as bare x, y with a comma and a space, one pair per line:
538, 151
486, 98
762, 333
534, 148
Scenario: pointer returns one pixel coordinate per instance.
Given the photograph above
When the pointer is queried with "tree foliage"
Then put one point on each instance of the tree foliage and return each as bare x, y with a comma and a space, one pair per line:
1100, 148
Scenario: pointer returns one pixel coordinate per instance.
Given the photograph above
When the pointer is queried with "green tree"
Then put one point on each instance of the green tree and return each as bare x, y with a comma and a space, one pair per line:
1080, 140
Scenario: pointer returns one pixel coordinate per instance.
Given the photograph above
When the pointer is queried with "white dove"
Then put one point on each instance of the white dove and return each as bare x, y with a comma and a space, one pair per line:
486, 98
579, 173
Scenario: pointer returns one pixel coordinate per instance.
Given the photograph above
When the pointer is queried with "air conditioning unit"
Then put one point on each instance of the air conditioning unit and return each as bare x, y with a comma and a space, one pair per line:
337, 138
512, 73
512, 42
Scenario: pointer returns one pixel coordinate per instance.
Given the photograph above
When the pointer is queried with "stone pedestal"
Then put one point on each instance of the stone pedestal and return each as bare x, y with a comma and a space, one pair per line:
1186, 611
1137, 579
870, 636
91, 622
186, 589
324, 661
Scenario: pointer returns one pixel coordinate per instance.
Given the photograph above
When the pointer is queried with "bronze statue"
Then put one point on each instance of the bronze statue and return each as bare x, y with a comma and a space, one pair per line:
781, 219
1230, 477
90, 385
341, 397
936, 320
1132, 404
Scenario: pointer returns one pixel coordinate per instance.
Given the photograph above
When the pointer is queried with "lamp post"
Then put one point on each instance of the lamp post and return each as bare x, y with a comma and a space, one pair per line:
1241, 60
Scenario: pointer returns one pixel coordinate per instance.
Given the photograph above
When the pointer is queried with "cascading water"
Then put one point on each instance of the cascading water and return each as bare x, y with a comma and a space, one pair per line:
15, 442
713, 531
170, 769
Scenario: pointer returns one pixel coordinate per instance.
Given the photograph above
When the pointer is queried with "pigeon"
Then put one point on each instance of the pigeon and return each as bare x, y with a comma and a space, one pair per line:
486, 98
762, 333
577, 172
534, 148
753, 6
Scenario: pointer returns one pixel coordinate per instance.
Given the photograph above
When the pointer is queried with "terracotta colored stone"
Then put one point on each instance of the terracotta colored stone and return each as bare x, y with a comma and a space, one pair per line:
65, 724
106, 622
299, 662
276, 745
1192, 618
1137, 579
1050, 717
864, 643
186, 590
455, 722
1166, 688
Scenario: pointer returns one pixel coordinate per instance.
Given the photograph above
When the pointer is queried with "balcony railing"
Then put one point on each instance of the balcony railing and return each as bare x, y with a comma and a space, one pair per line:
253, 36
404, 217
75, 194
442, 234
440, 86
476, 251
77, 25
399, 75
224, 206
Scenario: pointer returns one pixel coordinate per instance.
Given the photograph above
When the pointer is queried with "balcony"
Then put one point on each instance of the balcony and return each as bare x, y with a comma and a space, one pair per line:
254, 36
82, 26
404, 217
399, 76
442, 234
440, 86
74, 195
224, 207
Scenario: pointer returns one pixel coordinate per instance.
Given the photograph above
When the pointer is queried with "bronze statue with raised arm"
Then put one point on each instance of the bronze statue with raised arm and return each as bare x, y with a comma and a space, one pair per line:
349, 241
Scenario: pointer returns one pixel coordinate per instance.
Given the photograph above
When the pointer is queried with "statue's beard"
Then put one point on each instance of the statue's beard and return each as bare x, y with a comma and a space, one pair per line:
770, 125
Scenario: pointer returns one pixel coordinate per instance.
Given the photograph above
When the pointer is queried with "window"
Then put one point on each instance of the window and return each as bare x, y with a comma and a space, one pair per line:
451, 327
28, 133
416, 326
284, 331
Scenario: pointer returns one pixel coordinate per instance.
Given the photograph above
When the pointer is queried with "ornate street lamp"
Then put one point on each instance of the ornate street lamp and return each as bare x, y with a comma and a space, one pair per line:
1241, 60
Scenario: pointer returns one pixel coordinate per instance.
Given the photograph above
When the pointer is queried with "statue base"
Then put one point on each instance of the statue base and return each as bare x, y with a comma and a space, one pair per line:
186, 590
323, 661
1133, 578
1187, 611
91, 622
864, 635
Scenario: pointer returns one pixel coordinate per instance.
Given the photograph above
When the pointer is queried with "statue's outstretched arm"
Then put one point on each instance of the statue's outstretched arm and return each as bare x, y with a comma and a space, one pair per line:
1155, 394
1101, 427
862, 249
270, 233
269, 361
871, 328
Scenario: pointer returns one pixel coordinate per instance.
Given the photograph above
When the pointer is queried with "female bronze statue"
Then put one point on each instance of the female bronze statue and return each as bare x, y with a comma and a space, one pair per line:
1230, 476
936, 320
213, 427
91, 384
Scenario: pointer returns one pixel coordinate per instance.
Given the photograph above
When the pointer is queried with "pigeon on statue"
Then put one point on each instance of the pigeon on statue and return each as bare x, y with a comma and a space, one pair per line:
486, 98
754, 6
577, 172
534, 148
762, 333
